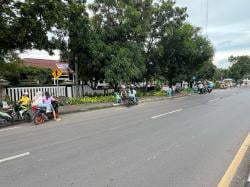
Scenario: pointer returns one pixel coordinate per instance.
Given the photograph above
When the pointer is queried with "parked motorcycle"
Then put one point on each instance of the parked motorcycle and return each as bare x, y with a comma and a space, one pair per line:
21, 113
15, 113
5, 118
40, 114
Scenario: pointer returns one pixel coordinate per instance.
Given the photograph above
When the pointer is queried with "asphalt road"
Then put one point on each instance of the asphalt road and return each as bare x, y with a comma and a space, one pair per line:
181, 142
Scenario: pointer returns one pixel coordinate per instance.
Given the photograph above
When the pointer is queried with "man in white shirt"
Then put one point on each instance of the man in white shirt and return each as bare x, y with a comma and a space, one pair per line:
132, 93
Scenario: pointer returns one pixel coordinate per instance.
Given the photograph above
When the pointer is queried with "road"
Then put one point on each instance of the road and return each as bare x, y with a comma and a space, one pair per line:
187, 141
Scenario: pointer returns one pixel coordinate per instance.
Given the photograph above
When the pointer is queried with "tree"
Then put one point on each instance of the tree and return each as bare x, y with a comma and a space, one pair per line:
185, 51
240, 67
16, 72
120, 38
221, 74
159, 19
29, 24
207, 71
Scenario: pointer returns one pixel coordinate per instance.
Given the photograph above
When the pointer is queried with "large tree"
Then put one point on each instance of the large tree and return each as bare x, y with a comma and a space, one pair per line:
120, 40
159, 19
185, 51
29, 24
240, 67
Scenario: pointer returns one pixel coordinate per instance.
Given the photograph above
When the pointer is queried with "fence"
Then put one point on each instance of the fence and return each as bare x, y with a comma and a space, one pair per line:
16, 92
67, 91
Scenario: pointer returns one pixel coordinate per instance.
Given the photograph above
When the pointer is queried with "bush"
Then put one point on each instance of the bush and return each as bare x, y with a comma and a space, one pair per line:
156, 93
89, 99
158, 88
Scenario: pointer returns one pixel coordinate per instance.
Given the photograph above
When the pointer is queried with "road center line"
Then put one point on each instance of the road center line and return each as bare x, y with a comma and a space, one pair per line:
9, 129
154, 117
14, 157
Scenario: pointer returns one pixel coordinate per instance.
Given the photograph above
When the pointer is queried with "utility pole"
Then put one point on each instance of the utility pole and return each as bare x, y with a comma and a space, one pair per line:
206, 17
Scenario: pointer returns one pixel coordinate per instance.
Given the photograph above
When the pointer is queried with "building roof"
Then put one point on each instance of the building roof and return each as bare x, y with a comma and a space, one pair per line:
49, 64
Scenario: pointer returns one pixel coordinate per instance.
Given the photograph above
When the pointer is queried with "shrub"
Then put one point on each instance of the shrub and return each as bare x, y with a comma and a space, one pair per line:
89, 99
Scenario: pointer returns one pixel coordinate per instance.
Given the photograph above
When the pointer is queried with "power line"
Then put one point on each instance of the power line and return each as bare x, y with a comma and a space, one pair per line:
206, 17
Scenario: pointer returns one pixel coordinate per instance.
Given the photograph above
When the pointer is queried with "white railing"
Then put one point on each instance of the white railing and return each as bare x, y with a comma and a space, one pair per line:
67, 91
16, 92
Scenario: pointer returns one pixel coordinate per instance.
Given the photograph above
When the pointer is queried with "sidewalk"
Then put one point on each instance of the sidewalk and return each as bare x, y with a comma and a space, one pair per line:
67, 109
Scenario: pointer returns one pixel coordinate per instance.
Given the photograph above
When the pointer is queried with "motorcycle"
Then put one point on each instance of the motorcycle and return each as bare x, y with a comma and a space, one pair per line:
20, 112
41, 115
15, 113
5, 118
130, 101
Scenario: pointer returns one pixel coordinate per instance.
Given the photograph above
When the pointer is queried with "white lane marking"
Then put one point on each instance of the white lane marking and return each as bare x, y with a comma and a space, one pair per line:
9, 129
14, 157
213, 100
166, 113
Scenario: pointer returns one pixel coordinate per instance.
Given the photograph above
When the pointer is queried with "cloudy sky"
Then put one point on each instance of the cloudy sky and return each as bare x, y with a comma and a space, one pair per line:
228, 27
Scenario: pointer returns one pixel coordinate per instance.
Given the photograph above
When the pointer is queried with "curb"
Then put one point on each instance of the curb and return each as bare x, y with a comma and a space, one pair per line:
87, 109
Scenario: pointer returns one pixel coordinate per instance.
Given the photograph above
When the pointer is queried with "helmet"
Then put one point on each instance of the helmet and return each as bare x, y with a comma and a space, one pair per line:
25, 93
123, 86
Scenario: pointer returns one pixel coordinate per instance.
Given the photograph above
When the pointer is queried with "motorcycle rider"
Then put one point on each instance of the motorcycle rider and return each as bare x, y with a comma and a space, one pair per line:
200, 87
47, 102
24, 101
132, 93
123, 94
23, 104
38, 99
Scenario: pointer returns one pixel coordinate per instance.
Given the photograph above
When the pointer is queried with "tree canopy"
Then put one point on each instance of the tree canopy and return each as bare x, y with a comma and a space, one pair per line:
117, 41
240, 67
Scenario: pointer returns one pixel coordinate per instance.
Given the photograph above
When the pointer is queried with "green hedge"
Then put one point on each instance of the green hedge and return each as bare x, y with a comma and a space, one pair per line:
87, 99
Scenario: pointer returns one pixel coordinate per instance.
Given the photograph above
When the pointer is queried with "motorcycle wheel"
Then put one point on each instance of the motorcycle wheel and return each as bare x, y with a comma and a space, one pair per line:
38, 119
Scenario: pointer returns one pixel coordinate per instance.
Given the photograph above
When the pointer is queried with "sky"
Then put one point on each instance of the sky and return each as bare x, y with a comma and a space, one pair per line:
228, 28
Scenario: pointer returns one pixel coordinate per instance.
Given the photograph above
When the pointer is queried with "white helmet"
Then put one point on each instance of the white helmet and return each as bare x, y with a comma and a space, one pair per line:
25, 93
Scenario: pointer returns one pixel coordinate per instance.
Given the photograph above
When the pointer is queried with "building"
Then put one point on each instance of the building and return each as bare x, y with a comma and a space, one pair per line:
67, 73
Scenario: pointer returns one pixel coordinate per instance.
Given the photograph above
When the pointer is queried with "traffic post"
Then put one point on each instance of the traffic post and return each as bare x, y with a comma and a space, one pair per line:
56, 73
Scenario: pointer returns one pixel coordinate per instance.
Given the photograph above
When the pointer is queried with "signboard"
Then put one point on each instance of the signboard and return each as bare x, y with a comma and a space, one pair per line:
56, 73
